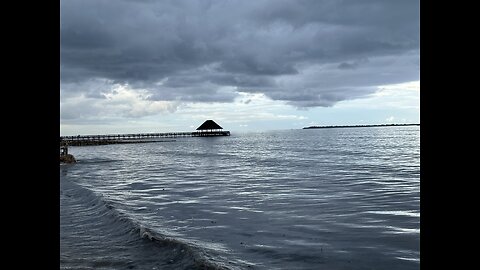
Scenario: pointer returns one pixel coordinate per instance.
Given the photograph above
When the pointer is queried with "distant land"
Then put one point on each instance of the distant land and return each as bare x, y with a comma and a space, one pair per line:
354, 126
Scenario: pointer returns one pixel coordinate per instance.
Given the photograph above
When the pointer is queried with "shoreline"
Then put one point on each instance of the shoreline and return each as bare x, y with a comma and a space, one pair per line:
357, 126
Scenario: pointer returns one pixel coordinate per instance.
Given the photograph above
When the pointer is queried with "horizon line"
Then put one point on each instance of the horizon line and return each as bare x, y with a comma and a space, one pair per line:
366, 125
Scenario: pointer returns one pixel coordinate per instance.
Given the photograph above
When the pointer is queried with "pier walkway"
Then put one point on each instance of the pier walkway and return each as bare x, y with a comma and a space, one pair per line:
85, 139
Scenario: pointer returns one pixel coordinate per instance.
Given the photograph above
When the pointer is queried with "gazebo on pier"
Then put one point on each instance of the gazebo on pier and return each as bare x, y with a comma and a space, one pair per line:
210, 128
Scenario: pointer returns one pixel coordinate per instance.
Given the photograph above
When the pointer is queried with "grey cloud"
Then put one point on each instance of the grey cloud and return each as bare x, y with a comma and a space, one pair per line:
90, 88
324, 85
189, 50
347, 65
353, 64
199, 93
241, 80
311, 97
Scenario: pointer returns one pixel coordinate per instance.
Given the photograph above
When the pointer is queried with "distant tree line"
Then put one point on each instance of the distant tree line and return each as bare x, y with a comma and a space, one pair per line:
350, 126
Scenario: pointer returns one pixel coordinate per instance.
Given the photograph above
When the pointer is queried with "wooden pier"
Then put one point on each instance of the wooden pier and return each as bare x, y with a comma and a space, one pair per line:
120, 138
208, 129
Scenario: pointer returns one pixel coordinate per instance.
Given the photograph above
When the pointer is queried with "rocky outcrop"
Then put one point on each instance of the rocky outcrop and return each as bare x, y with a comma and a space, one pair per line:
67, 158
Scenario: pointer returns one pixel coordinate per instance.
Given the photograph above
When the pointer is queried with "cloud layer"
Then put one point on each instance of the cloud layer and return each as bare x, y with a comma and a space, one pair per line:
306, 53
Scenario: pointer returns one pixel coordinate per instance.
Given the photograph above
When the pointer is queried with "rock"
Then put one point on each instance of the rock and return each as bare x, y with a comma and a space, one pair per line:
67, 158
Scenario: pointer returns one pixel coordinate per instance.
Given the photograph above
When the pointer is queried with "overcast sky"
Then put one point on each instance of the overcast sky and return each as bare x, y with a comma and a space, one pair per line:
158, 66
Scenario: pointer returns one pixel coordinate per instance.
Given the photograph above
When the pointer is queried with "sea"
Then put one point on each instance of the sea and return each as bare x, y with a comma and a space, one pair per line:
338, 198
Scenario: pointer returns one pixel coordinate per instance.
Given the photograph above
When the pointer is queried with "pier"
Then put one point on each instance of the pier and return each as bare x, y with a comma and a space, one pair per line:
208, 129
112, 138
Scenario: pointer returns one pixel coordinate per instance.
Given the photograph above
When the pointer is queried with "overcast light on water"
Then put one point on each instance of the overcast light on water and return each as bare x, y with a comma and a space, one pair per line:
346, 198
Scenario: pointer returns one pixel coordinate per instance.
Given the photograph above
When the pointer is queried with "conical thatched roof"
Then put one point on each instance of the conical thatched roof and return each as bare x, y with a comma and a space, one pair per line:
209, 124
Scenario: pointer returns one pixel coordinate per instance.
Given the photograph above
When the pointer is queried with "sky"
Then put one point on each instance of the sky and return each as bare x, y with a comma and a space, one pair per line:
129, 66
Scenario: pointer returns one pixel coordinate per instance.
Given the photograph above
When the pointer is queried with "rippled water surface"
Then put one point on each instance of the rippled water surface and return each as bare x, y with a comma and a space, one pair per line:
297, 199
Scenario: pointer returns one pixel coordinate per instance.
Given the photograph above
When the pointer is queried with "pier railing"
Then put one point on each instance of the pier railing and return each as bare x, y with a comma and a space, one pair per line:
139, 136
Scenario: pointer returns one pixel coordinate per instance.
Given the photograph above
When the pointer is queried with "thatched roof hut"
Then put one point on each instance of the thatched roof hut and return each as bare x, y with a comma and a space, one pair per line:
209, 125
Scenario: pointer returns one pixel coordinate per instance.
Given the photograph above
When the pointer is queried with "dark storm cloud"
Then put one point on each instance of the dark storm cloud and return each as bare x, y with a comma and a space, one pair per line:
307, 53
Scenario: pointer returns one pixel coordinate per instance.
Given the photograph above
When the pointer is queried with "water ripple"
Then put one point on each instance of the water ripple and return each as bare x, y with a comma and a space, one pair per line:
299, 199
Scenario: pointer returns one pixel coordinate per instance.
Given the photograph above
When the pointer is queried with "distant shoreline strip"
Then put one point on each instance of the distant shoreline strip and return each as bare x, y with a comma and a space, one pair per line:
357, 126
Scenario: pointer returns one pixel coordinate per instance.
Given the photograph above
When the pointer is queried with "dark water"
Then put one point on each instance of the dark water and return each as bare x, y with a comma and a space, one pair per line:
298, 199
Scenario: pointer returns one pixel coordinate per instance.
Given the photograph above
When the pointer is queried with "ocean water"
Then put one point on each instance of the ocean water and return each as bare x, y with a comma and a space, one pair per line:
344, 198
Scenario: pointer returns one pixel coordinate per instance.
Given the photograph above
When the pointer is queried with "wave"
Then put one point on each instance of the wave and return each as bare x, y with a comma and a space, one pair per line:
115, 230
97, 160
